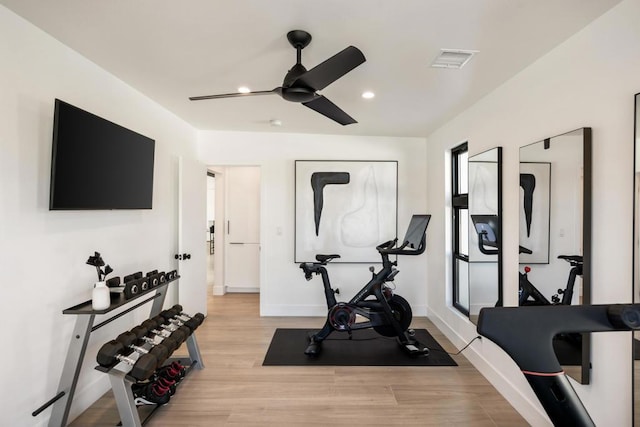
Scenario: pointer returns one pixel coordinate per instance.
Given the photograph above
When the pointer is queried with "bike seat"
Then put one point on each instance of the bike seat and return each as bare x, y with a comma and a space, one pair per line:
326, 258
573, 259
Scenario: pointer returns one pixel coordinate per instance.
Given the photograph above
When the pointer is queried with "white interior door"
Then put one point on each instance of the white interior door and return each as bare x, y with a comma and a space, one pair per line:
192, 214
242, 228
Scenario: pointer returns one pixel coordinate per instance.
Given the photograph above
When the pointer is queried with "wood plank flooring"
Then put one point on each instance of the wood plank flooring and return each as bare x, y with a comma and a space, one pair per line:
235, 389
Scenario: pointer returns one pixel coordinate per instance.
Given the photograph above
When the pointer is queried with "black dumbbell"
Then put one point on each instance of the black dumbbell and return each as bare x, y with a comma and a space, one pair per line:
152, 327
154, 278
179, 335
142, 333
180, 315
172, 327
112, 352
184, 316
174, 316
160, 351
134, 284
132, 276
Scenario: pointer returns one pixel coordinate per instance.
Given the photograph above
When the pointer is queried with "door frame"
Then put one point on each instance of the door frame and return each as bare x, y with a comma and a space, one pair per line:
219, 287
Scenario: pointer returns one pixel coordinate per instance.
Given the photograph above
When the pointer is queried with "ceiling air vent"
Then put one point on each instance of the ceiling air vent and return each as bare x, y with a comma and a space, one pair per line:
453, 58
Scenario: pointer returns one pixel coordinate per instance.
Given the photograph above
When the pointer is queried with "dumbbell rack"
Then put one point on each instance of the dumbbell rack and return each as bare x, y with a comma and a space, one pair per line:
120, 381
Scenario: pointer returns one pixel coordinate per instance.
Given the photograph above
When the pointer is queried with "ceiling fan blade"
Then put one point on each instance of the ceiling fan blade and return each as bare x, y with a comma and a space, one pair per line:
328, 109
327, 72
277, 91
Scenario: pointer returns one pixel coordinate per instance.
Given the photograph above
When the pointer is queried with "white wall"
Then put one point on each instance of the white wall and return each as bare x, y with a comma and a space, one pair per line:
283, 288
44, 252
589, 80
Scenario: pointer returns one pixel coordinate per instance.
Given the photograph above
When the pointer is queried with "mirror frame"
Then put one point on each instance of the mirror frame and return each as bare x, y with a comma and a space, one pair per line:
635, 251
473, 231
585, 369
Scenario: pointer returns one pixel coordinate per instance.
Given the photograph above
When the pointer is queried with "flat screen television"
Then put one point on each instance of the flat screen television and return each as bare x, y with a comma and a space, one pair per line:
97, 164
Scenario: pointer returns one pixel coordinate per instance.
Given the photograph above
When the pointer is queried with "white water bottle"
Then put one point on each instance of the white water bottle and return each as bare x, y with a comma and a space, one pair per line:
101, 297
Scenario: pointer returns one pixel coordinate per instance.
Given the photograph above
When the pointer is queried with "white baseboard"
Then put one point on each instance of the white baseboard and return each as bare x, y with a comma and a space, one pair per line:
242, 289
531, 411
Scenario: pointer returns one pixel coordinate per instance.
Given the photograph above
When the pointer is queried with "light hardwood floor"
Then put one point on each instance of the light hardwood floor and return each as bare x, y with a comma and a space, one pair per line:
235, 389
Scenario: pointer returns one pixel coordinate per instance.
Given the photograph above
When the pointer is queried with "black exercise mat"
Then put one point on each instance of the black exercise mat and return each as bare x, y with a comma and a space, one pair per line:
367, 348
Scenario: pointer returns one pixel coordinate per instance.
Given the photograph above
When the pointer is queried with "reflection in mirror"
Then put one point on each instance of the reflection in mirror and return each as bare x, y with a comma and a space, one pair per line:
636, 264
555, 230
485, 223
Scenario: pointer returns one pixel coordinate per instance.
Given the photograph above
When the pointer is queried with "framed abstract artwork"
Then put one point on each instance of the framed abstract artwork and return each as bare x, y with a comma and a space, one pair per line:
344, 207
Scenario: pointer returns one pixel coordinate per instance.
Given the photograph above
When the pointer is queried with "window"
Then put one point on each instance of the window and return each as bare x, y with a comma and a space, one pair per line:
460, 224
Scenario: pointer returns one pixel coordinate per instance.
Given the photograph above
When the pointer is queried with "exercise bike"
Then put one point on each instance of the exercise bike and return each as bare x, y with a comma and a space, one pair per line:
530, 295
387, 313
486, 227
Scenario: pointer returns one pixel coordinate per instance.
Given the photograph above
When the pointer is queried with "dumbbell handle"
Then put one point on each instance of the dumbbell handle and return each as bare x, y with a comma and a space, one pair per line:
138, 349
163, 332
125, 359
157, 339
175, 321
169, 327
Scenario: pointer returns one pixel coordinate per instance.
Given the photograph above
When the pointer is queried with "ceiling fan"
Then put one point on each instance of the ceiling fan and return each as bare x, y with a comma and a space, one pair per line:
300, 85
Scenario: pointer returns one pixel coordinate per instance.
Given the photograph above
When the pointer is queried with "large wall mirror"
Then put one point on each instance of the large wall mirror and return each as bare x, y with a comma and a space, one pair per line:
485, 223
555, 234
636, 264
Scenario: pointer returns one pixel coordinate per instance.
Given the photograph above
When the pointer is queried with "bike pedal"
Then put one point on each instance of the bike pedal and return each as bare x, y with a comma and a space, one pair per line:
414, 350
313, 349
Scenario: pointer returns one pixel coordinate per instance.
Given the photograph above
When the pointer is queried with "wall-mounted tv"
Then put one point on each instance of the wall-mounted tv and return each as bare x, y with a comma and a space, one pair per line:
97, 164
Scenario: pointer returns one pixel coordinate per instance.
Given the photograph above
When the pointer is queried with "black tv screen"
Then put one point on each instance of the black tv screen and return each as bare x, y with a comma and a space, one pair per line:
97, 164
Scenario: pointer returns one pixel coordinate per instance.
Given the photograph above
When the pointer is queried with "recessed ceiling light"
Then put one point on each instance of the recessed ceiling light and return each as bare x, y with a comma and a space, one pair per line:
453, 58
275, 122
368, 95
244, 89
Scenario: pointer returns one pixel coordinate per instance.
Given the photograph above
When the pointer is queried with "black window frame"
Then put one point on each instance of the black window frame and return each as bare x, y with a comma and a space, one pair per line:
459, 202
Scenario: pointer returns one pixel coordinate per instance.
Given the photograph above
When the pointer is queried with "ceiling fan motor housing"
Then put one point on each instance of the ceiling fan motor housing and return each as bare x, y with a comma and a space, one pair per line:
298, 93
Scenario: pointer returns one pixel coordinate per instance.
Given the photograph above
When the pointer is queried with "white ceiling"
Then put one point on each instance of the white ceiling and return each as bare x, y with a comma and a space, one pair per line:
170, 50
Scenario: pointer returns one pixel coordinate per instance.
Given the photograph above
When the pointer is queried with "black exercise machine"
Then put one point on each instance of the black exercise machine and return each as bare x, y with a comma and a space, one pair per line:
526, 334
486, 227
387, 313
530, 295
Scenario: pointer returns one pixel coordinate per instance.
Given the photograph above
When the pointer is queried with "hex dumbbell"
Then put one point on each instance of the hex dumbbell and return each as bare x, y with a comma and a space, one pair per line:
112, 352
143, 333
180, 315
174, 316
171, 327
160, 351
152, 326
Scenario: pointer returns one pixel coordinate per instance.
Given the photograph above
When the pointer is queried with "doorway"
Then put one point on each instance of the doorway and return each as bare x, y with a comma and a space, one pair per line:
236, 237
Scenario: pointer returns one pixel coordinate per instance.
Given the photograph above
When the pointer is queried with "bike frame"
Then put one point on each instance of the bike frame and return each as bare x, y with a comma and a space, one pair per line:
526, 333
378, 312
